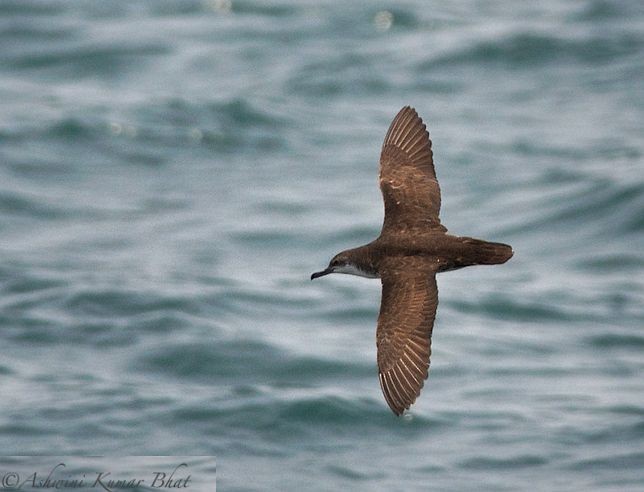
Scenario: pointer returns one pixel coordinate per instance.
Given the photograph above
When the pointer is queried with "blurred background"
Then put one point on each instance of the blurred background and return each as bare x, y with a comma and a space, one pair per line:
171, 172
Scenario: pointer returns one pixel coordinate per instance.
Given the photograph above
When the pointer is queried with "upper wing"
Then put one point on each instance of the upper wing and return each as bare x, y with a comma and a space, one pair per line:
407, 177
407, 312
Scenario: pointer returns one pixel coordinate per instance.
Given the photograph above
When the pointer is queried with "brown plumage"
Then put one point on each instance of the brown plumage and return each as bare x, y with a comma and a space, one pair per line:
412, 247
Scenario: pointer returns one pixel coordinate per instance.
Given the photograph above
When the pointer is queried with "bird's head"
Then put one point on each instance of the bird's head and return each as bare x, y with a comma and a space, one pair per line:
338, 264
346, 262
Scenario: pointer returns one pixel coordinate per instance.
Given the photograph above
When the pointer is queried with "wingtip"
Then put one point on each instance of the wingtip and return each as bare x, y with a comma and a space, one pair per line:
396, 403
408, 108
510, 254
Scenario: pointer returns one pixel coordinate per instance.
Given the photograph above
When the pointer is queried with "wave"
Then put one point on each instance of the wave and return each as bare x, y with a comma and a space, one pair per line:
23, 204
283, 414
617, 341
216, 360
527, 49
598, 207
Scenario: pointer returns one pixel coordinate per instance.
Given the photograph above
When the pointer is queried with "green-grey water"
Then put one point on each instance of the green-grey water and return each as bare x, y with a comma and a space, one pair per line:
172, 172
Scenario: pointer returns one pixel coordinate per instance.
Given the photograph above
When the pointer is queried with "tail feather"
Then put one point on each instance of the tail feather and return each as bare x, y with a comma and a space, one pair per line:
488, 253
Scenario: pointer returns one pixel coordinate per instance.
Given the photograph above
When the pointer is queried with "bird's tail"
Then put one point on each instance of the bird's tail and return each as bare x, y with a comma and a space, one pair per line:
487, 253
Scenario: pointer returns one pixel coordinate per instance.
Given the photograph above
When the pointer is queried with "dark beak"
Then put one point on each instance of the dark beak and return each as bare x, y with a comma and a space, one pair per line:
322, 273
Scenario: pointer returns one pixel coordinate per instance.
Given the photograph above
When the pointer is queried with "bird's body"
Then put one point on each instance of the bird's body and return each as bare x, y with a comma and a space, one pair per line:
412, 247
443, 250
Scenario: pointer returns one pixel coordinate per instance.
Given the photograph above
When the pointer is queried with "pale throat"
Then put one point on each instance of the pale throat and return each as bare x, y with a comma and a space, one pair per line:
352, 269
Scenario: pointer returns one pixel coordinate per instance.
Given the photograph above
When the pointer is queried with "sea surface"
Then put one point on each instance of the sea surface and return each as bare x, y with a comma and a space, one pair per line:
171, 172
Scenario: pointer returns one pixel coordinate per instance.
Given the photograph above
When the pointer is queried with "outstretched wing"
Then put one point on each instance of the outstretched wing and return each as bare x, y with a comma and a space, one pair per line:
407, 177
405, 323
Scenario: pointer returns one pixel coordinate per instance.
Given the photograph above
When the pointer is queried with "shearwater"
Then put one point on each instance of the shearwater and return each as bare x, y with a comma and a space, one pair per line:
412, 248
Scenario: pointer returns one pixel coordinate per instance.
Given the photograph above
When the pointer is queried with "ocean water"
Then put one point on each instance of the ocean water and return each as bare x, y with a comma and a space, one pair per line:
171, 172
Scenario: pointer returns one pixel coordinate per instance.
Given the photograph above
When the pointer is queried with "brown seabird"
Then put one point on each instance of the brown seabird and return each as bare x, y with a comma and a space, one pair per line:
412, 248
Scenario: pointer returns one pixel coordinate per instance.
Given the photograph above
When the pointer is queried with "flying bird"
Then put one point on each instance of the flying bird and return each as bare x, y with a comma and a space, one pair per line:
412, 248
